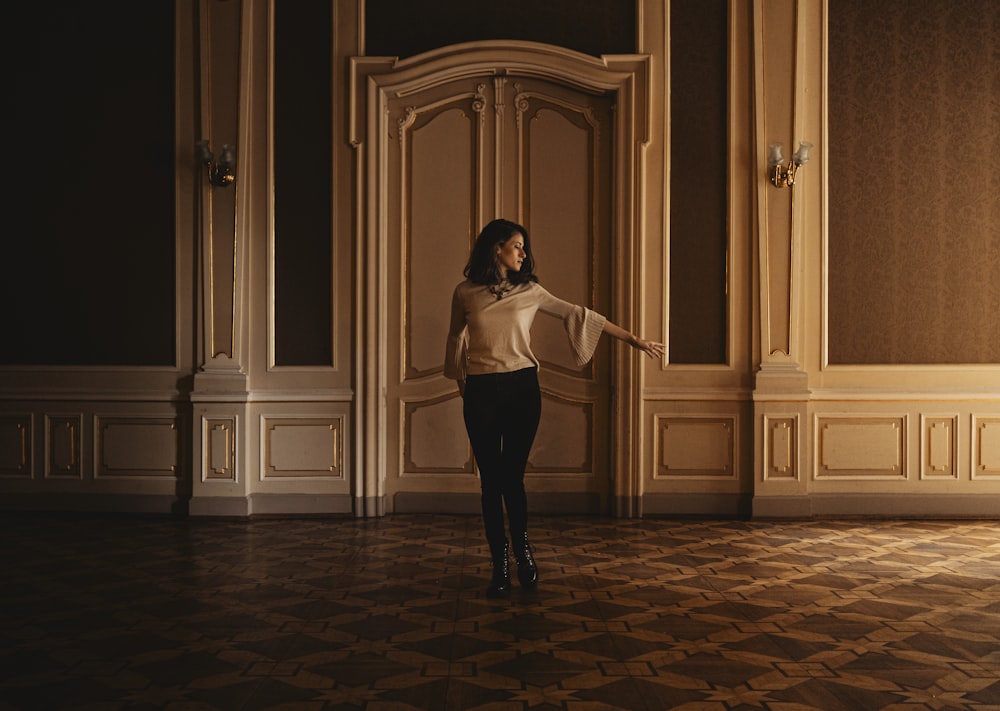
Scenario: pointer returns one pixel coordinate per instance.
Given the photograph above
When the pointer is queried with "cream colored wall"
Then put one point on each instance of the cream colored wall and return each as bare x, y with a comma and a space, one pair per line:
266, 438
847, 440
696, 434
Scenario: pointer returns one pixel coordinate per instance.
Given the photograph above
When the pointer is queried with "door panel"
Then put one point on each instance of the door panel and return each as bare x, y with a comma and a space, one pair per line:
564, 169
457, 155
434, 153
438, 193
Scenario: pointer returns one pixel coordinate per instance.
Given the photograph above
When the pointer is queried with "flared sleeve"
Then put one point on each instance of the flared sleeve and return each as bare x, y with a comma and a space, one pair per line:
456, 347
583, 326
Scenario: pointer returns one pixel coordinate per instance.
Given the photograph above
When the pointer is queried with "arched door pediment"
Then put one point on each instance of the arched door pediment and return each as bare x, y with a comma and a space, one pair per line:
624, 75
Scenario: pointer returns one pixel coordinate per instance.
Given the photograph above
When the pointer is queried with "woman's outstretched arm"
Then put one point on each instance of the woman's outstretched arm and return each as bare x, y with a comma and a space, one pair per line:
650, 348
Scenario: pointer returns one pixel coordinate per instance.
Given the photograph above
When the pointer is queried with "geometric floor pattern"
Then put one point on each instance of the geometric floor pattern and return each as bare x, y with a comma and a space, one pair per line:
380, 614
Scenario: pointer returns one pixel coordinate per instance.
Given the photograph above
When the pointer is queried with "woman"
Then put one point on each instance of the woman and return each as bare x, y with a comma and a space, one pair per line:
489, 354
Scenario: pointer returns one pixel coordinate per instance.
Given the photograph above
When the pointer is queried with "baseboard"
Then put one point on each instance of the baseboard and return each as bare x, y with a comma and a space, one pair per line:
219, 506
565, 503
272, 505
709, 505
445, 503
456, 503
94, 503
306, 504
878, 506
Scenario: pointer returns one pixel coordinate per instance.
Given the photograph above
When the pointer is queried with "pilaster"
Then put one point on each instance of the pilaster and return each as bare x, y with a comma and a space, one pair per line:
220, 393
781, 383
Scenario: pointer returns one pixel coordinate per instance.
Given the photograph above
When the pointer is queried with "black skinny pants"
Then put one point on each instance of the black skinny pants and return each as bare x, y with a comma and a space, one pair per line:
502, 411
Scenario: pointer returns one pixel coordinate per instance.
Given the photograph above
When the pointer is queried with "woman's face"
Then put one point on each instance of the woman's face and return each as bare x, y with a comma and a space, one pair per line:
511, 253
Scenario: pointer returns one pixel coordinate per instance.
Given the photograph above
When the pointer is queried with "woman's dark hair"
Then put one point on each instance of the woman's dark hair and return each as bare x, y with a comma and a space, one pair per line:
484, 267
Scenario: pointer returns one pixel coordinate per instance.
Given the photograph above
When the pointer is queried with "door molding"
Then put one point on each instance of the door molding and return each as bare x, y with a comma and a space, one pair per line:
376, 79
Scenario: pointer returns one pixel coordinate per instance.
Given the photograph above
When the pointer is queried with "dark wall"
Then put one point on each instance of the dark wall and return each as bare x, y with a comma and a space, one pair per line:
698, 178
914, 241
88, 216
402, 28
303, 184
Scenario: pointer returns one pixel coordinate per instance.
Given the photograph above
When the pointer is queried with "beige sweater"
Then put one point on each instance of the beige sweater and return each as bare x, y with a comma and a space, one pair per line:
490, 335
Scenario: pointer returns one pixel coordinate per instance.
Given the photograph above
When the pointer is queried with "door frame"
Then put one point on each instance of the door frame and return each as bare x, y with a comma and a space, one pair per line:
375, 78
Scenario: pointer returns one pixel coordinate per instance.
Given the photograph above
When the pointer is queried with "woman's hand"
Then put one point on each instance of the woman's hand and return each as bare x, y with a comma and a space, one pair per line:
650, 348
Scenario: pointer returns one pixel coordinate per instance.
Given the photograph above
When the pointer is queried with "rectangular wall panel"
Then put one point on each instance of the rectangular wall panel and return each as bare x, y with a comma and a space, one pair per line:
696, 447
140, 446
219, 446
63, 437
430, 443
781, 450
304, 447
899, 78
939, 446
985, 447
861, 447
15, 445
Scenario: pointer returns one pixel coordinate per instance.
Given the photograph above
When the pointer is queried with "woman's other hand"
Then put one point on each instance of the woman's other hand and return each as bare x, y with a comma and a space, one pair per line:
650, 348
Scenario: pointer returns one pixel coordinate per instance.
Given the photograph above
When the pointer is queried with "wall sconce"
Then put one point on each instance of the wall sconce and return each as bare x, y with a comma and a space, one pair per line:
783, 176
219, 173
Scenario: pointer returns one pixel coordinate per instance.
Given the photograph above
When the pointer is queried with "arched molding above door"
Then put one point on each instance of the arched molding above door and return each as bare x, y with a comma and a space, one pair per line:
627, 75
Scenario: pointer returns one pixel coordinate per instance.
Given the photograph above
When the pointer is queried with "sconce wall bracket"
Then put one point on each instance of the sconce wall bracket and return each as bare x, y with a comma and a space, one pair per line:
783, 176
222, 172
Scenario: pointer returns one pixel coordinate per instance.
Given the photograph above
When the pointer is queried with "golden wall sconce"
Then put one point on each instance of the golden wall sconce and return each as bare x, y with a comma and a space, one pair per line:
221, 172
782, 175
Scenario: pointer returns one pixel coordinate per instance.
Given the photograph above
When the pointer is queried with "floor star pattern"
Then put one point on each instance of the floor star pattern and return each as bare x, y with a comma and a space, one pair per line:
391, 614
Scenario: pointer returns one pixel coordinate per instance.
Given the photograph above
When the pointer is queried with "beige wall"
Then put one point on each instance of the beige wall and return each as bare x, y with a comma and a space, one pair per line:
780, 429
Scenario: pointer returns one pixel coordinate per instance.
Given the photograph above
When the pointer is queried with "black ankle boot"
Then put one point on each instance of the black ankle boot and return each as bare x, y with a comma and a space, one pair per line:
527, 571
500, 583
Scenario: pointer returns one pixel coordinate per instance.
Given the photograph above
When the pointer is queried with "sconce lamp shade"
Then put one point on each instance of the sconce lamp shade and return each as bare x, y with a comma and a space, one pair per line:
774, 156
802, 155
227, 160
202, 152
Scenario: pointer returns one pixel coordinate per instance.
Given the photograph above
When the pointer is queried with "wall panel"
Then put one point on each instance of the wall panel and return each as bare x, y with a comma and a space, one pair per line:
985, 447
861, 447
913, 254
302, 447
429, 444
95, 248
781, 448
64, 440
127, 446
15, 445
696, 447
219, 437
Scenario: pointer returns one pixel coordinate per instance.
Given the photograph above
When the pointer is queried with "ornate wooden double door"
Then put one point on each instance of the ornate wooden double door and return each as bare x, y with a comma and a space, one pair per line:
454, 154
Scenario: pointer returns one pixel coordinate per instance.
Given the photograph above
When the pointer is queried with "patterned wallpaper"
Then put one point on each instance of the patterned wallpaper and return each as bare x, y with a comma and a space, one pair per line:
914, 169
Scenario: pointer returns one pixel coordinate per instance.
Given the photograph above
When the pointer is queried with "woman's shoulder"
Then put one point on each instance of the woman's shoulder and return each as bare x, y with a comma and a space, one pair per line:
467, 289
533, 287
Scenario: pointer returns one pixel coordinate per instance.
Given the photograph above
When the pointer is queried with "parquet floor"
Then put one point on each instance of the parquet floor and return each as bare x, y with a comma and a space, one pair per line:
141, 613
